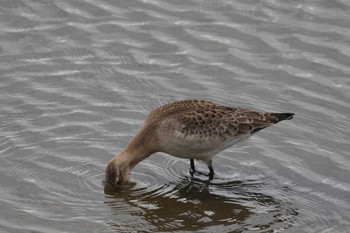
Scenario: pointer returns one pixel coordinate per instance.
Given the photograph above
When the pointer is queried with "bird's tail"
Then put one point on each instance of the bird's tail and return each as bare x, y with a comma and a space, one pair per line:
282, 116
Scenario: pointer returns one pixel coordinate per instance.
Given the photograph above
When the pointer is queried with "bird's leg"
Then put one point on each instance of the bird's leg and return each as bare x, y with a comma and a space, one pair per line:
211, 170
192, 164
193, 169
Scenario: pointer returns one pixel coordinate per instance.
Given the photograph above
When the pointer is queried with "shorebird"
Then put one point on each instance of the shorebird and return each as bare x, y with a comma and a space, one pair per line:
192, 129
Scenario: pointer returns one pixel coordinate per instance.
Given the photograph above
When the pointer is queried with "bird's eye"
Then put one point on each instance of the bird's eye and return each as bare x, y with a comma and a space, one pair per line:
119, 180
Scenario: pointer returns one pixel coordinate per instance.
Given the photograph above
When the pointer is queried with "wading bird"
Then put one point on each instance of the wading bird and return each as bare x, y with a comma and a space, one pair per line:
192, 129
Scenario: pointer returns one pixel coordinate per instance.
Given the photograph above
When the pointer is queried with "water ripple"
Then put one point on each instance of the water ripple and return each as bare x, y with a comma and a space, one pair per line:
78, 78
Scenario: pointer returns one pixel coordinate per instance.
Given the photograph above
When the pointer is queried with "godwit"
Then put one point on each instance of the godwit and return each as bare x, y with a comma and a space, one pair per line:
193, 129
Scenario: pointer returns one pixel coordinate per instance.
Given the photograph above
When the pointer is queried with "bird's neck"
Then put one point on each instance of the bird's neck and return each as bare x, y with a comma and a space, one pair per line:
131, 155
142, 145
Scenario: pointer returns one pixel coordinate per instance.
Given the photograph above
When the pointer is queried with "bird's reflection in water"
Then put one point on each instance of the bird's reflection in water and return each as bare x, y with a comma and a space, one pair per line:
194, 204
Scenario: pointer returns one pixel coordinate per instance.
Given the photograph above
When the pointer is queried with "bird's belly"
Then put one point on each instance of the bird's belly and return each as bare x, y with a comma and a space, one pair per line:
192, 146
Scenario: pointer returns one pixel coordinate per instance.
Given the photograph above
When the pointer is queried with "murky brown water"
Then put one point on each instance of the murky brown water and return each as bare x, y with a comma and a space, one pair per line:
77, 78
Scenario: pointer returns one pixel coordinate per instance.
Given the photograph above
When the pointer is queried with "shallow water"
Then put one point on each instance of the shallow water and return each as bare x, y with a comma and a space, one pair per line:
77, 78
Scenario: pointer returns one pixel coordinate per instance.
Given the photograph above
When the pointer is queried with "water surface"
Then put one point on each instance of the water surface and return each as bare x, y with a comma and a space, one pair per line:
77, 78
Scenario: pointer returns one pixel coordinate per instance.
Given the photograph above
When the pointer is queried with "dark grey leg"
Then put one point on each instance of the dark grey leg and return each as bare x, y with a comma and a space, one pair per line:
211, 170
192, 165
193, 169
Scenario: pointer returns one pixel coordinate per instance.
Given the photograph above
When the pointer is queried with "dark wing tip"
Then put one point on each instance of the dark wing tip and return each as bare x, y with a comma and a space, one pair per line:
283, 116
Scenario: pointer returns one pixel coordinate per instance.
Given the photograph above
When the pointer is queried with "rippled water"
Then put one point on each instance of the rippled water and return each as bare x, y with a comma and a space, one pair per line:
78, 77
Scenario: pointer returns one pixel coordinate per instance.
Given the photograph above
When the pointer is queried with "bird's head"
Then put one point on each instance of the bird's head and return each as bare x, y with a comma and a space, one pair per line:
117, 172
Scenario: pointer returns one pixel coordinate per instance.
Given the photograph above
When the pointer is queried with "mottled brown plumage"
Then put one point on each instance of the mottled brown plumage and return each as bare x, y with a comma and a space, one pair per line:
194, 129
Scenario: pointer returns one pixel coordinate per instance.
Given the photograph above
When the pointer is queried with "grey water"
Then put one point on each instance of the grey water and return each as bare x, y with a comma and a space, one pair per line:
78, 77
